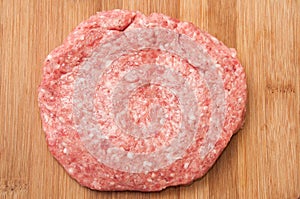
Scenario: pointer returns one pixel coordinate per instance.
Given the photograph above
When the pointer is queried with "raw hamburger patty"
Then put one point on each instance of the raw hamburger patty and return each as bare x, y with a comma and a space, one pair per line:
135, 102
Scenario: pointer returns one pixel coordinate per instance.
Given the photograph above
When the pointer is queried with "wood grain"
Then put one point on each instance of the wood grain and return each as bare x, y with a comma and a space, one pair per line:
261, 161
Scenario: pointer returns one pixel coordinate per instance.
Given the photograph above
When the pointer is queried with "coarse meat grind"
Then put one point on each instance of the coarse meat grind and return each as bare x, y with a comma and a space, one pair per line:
135, 102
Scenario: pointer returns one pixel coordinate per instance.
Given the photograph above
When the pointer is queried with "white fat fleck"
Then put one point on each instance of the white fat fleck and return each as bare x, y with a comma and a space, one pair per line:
192, 116
95, 183
114, 128
56, 66
109, 150
186, 165
108, 62
210, 146
102, 136
130, 155
131, 77
147, 164
149, 180
162, 121
49, 57
46, 118
48, 107
43, 90
172, 174
108, 84
65, 150
205, 108
91, 135
153, 175
233, 52
217, 65
61, 119
162, 47
214, 39
64, 144
200, 151
71, 170
113, 152
170, 157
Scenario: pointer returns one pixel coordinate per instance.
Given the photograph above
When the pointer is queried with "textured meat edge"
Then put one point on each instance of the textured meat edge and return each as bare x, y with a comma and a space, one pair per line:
219, 147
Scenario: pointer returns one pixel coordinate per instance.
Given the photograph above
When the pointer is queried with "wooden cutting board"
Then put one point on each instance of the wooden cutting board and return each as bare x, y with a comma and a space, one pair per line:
261, 161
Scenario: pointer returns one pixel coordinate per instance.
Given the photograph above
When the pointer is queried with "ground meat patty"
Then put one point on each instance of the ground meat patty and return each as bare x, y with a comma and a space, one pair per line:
135, 102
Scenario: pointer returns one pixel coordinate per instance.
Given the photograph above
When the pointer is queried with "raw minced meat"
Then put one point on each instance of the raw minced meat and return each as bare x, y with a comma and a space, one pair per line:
135, 102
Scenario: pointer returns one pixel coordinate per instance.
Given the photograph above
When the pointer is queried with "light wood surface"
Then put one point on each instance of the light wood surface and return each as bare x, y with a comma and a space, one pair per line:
261, 161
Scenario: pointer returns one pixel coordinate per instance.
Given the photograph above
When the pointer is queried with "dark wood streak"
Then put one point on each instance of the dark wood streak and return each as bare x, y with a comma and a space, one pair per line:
281, 88
13, 185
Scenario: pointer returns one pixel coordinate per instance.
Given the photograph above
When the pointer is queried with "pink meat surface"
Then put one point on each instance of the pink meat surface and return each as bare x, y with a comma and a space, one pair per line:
135, 102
